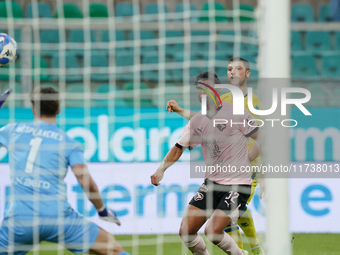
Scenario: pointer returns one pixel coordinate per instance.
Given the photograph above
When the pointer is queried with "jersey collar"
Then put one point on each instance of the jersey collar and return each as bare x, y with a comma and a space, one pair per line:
216, 111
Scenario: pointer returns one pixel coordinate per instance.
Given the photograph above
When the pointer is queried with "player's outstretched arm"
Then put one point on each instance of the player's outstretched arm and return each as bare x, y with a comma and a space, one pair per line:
171, 157
172, 106
91, 190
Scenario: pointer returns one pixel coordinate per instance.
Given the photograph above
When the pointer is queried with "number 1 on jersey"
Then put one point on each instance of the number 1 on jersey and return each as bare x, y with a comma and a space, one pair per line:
35, 143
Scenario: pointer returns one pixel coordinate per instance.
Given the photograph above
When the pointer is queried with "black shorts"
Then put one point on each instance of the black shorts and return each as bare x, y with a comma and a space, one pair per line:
231, 199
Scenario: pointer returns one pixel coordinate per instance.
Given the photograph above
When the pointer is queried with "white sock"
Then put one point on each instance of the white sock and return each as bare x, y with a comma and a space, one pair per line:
197, 246
229, 246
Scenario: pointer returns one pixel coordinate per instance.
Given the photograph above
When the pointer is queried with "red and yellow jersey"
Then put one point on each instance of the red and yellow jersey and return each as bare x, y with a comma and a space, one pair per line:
227, 97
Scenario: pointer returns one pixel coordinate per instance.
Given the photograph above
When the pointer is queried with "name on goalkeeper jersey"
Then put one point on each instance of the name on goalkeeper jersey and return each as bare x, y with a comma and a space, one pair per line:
256, 122
39, 132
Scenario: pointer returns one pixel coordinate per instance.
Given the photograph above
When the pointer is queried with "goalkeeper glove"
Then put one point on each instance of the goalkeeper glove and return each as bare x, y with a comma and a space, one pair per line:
108, 215
4, 96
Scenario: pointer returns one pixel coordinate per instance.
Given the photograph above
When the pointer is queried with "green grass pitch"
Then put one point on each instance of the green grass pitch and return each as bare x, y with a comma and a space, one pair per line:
303, 244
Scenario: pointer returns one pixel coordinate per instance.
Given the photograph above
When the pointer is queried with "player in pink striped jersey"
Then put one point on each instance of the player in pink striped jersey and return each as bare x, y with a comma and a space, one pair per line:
226, 188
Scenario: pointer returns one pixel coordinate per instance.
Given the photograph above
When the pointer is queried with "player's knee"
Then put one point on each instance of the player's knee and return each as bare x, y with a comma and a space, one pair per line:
212, 229
185, 231
213, 233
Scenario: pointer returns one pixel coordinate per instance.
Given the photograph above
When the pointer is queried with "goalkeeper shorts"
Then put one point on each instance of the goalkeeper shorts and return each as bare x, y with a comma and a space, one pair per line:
74, 232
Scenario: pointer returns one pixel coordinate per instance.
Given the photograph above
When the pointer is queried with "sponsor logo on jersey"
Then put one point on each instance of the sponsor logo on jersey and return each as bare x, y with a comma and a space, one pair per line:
33, 183
198, 196
221, 127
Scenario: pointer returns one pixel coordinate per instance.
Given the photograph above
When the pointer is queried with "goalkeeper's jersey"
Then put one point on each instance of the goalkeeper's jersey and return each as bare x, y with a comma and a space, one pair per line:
39, 156
227, 97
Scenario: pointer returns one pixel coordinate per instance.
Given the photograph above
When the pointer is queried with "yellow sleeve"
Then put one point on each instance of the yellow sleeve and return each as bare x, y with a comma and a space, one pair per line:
227, 97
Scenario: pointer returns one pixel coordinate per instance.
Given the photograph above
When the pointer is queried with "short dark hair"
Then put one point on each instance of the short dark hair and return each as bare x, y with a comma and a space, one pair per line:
208, 76
48, 100
245, 62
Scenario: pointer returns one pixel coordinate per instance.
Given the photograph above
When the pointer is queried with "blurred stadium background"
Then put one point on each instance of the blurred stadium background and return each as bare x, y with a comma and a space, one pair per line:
116, 63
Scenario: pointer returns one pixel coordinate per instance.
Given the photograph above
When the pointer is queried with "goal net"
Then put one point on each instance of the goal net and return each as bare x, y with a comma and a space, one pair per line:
116, 65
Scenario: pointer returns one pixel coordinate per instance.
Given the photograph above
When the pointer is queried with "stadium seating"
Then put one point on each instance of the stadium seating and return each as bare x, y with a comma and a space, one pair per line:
152, 75
174, 42
161, 95
52, 85
330, 66
17, 35
43, 69
196, 67
337, 41
304, 67
246, 13
107, 91
304, 45
221, 63
324, 14
220, 15
78, 37
179, 12
124, 62
226, 41
219, 56
75, 94
302, 13
296, 42
222, 72
250, 43
151, 11
43, 74
203, 45
17, 12
147, 47
99, 67
145, 94
71, 11
318, 42
44, 10
48, 37
17, 90
125, 9
119, 36
254, 73
98, 10
73, 73
5, 72
250, 58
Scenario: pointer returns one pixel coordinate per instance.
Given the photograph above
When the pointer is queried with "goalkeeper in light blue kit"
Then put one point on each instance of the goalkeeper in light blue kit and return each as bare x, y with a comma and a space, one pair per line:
39, 156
